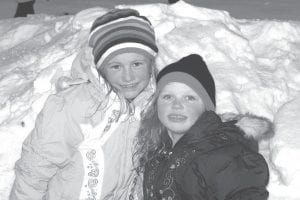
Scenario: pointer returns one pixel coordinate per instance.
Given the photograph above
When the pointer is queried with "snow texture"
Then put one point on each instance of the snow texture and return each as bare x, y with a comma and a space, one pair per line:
256, 65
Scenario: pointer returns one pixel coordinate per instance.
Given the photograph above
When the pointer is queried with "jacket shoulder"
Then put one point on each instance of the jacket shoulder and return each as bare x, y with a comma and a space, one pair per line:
59, 115
78, 101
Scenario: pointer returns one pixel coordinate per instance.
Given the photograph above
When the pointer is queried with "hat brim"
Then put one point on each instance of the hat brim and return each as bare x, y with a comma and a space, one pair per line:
190, 81
124, 48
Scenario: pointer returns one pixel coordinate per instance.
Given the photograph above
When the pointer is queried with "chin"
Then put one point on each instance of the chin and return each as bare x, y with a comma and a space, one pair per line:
130, 95
179, 131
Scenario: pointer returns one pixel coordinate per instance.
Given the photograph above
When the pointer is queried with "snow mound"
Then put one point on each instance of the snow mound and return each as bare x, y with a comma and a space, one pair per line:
255, 65
285, 151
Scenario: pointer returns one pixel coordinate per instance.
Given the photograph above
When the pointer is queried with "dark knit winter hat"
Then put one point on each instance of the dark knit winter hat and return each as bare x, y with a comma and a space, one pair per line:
192, 71
121, 31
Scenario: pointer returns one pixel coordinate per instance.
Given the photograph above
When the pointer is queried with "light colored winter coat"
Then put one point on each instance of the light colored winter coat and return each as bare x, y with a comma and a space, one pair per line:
77, 149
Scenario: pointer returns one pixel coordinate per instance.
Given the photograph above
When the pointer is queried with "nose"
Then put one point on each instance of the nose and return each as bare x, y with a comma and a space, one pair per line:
177, 104
127, 75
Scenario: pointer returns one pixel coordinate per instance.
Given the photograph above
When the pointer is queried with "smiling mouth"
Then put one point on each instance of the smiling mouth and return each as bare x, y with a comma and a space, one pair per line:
177, 117
129, 86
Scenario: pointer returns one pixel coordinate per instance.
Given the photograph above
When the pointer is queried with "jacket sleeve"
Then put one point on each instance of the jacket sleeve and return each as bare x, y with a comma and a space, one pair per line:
44, 151
245, 177
226, 178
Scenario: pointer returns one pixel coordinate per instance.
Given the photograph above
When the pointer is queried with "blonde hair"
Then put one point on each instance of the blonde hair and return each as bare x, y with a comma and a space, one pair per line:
149, 138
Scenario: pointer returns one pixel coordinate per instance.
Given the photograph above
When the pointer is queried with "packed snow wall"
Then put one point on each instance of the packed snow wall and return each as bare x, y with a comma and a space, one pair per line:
256, 65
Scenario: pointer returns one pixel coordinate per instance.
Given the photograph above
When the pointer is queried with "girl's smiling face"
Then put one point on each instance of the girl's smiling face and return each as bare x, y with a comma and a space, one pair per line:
178, 107
128, 73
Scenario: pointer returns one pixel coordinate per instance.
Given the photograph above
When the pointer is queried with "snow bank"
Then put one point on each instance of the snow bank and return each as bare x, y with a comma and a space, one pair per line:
255, 65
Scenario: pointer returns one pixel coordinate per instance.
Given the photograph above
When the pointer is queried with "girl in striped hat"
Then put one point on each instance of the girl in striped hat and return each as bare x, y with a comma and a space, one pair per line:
81, 146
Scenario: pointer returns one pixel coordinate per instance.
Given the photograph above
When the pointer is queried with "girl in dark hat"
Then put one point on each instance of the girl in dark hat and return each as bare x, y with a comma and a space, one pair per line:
187, 152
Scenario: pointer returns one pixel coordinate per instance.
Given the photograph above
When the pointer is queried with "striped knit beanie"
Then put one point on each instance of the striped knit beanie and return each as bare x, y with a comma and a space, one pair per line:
121, 31
192, 71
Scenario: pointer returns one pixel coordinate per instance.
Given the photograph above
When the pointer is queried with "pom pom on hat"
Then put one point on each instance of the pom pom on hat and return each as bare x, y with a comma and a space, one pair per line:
192, 71
121, 31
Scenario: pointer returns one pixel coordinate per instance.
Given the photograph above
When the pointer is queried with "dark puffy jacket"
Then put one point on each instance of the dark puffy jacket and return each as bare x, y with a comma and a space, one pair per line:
212, 161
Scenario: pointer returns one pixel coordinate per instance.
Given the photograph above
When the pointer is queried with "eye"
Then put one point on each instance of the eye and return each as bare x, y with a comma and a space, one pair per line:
190, 98
166, 97
138, 63
114, 67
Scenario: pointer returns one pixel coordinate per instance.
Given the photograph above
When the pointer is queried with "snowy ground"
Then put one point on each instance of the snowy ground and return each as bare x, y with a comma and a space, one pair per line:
256, 64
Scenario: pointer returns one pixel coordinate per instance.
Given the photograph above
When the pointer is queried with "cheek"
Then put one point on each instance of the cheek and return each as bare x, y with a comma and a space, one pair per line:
143, 74
112, 78
195, 112
161, 110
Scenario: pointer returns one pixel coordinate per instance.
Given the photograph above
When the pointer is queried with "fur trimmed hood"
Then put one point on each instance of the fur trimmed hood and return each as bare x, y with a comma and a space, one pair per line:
211, 129
255, 127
